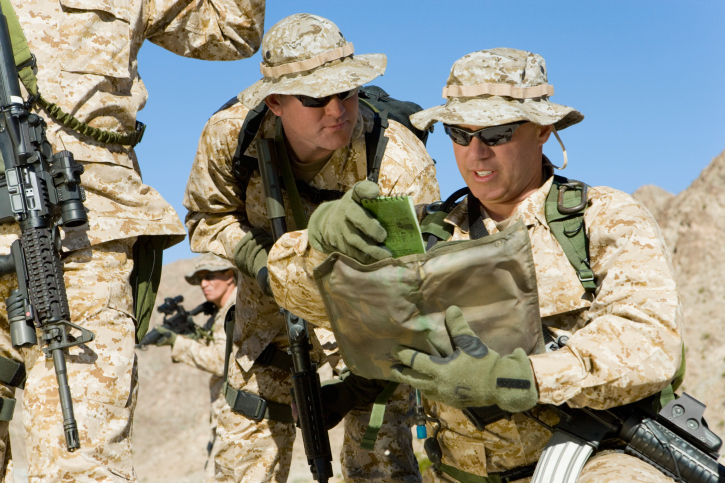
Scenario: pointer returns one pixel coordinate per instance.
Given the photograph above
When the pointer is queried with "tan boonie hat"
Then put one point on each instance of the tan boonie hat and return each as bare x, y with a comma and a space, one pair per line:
498, 86
208, 262
307, 55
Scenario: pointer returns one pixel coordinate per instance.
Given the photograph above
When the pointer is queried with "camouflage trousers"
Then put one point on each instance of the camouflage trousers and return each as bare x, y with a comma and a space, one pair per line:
602, 468
251, 451
102, 374
217, 405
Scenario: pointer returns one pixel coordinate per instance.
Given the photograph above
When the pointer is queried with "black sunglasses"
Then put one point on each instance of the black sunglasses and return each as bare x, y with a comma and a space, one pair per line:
490, 136
308, 101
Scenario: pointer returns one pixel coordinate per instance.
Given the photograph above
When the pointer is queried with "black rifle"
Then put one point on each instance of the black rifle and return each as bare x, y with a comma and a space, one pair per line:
675, 439
306, 381
178, 320
41, 191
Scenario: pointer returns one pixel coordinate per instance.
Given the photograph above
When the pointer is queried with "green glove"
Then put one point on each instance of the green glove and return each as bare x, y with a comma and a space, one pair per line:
168, 336
472, 376
340, 396
250, 256
345, 226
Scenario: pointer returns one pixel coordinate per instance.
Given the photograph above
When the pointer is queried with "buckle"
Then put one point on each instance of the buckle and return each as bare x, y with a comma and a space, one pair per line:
572, 185
585, 275
31, 62
261, 409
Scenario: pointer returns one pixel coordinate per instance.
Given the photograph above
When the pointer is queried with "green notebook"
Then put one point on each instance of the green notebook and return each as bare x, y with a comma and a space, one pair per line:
397, 215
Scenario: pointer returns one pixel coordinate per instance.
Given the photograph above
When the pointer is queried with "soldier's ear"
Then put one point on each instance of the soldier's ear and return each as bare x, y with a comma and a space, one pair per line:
543, 133
274, 104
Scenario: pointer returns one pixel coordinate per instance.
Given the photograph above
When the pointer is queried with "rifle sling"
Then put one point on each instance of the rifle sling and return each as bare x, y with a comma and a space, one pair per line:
25, 61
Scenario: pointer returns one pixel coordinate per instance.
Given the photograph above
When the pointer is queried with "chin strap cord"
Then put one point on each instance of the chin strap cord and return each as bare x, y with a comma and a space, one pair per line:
563, 149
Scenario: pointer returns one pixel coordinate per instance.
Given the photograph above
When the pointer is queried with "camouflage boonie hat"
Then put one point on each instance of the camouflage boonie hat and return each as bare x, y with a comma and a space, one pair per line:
307, 55
208, 262
498, 86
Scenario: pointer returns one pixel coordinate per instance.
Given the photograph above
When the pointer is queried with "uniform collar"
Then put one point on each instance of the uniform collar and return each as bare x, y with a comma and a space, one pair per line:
531, 211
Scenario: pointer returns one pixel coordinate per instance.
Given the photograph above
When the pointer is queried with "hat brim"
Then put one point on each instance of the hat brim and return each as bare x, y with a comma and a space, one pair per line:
494, 111
192, 278
328, 79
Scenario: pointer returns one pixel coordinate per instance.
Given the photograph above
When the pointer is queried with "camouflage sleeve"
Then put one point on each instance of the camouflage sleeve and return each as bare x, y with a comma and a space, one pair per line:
216, 214
406, 169
206, 29
207, 357
630, 344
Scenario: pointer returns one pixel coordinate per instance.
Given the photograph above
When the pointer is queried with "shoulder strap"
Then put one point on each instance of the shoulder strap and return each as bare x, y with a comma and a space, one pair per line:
243, 165
565, 206
434, 227
375, 141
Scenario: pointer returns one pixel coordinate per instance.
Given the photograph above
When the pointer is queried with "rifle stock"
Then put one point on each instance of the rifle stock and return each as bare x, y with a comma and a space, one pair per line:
306, 381
41, 191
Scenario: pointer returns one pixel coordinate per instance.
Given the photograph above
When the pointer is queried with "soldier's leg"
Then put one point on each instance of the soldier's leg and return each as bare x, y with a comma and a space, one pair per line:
618, 467
392, 459
101, 374
249, 450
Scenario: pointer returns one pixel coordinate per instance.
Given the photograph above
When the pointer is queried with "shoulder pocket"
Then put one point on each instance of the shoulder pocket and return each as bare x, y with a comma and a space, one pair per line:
96, 37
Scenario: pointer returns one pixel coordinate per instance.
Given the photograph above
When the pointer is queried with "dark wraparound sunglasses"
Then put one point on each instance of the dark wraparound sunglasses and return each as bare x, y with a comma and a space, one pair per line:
490, 136
308, 101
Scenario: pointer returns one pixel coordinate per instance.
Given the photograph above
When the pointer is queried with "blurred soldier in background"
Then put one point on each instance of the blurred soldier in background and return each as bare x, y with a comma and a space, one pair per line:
84, 64
217, 278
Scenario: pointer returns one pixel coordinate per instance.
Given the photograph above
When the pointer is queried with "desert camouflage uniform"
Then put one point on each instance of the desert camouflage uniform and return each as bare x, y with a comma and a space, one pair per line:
624, 343
86, 63
218, 218
208, 357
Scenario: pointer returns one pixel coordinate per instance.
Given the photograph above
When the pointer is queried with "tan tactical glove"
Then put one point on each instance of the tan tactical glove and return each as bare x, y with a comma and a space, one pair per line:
472, 376
345, 226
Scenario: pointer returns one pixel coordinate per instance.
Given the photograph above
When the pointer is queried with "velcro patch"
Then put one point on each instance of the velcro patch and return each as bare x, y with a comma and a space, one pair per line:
513, 383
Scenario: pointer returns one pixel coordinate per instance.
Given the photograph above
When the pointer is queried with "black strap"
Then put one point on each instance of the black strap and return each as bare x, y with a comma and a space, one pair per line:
375, 144
257, 408
243, 165
250, 405
271, 356
477, 227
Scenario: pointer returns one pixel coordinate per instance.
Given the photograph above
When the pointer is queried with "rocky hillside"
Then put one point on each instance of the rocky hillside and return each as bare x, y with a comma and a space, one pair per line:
693, 223
171, 426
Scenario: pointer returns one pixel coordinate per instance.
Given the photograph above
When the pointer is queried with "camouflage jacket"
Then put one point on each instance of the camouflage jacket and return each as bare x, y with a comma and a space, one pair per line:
86, 54
218, 217
624, 342
209, 356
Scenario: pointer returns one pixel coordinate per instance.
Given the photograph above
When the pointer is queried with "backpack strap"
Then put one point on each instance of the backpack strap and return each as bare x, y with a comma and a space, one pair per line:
243, 165
375, 141
565, 206
246, 403
434, 227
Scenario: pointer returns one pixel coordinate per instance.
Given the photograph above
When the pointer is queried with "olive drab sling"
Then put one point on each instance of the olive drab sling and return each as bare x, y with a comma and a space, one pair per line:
384, 107
25, 62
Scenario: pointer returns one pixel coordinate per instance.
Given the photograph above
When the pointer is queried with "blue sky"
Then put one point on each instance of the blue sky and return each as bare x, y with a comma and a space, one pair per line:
648, 76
